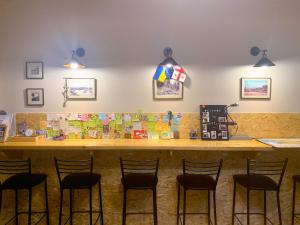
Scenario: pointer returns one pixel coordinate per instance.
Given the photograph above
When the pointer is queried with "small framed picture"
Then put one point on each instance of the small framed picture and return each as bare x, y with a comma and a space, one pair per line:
81, 88
170, 89
255, 88
34, 96
34, 70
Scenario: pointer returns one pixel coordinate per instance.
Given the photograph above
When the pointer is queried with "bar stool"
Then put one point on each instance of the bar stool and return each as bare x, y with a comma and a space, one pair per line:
261, 176
74, 175
296, 179
139, 175
202, 176
19, 177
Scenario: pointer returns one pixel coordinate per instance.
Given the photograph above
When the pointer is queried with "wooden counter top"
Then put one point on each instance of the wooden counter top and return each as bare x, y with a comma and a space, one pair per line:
132, 144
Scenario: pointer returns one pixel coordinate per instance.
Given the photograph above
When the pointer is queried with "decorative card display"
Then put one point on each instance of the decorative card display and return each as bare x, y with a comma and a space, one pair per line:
214, 124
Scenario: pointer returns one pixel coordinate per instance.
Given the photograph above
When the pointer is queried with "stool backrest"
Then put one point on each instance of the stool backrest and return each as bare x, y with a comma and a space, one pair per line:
65, 167
11, 167
205, 168
273, 169
139, 167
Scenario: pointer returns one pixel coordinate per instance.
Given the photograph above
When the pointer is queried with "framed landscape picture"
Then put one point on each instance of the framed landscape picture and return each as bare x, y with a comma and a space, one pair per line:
170, 89
34, 96
81, 88
34, 70
255, 88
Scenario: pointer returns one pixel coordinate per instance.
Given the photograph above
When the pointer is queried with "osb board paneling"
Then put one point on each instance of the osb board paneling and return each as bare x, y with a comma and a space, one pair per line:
107, 164
257, 125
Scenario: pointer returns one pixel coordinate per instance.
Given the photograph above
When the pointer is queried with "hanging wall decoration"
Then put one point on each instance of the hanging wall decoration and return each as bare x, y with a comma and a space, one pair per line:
169, 78
256, 88
80, 89
34, 96
34, 70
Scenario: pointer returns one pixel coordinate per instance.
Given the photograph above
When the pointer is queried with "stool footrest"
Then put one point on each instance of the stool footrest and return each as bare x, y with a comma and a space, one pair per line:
252, 213
25, 212
85, 211
138, 213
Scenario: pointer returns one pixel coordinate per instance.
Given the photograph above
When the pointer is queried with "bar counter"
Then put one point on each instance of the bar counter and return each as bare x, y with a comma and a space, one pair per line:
106, 155
139, 144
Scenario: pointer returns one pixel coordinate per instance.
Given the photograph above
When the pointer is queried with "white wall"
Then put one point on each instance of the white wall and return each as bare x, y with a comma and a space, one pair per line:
124, 42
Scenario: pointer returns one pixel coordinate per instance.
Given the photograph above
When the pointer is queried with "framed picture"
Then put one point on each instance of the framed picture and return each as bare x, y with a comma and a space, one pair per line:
255, 88
170, 89
34, 96
81, 88
34, 70
3, 133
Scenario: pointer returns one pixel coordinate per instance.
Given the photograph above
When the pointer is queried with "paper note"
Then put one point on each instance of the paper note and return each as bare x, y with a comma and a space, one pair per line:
83, 117
106, 121
102, 116
111, 117
135, 118
75, 123
166, 118
151, 126
150, 118
127, 117
71, 136
118, 117
137, 126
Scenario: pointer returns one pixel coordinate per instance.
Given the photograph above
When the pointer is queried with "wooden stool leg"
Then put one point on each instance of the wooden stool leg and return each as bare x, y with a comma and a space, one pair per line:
178, 203
294, 203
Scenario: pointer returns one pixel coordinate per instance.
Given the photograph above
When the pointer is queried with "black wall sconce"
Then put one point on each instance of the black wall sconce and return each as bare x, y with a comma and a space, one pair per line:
264, 61
168, 61
74, 63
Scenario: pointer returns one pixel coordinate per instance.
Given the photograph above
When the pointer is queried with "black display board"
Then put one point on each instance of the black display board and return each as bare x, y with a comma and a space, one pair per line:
214, 124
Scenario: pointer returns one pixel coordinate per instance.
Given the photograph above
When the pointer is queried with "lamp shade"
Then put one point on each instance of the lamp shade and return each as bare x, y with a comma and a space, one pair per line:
264, 62
74, 63
169, 61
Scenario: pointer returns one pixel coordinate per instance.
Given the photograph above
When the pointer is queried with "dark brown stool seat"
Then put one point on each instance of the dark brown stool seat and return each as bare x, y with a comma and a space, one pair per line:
21, 178
296, 179
201, 176
197, 181
136, 180
256, 182
80, 180
23, 181
139, 175
262, 176
70, 180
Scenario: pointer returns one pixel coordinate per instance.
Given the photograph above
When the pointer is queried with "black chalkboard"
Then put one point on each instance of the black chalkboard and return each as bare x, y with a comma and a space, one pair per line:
214, 124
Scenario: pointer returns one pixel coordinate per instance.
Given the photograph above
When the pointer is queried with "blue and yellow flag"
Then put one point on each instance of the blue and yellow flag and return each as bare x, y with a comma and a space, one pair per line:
160, 74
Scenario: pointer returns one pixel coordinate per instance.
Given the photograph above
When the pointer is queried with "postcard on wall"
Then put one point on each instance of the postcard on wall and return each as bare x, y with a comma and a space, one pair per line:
255, 88
81, 88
